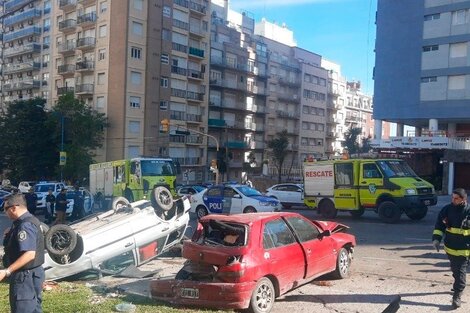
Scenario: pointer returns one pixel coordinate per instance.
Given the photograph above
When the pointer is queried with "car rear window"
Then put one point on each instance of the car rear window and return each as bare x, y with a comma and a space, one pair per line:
43, 188
226, 234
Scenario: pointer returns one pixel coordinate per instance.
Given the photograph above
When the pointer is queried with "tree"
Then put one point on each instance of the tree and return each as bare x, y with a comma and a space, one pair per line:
279, 151
83, 132
350, 140
27, 141
365, 145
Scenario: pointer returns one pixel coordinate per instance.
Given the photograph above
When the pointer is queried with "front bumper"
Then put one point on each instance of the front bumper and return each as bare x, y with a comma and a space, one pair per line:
417, 201
209, 294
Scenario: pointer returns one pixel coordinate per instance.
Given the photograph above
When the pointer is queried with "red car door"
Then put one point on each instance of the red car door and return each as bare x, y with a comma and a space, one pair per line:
320, 254
283, 255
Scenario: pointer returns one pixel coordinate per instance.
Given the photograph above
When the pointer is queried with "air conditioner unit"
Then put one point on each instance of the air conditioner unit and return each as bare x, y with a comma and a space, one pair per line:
30, 22
30, 39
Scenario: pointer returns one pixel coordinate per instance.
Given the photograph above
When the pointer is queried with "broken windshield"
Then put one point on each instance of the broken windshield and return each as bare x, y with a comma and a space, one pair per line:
393, 168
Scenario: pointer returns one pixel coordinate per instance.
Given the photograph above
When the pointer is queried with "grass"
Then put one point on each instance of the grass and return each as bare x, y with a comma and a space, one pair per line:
68, 297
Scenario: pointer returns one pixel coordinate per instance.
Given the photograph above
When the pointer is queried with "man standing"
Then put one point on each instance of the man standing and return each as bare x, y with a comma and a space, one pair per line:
78, 202
31, 201
24, 256
61, 206
50, 202
453, 223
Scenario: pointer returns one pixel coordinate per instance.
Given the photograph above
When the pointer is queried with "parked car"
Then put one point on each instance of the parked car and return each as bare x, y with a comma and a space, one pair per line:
232, 199
3, 194
289, 194
25, 186
88, 201
247, 260
188, 190
42, 188
129, 234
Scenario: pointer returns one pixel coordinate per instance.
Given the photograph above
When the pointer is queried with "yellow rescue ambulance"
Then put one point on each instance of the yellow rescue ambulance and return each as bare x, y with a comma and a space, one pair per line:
387, 186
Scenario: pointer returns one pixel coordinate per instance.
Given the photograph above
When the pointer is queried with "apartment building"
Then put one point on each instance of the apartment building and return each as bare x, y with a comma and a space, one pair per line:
422, 80
237, 104
25, 50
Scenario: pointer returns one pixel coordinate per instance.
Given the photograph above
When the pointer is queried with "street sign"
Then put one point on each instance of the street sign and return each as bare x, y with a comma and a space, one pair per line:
62, 158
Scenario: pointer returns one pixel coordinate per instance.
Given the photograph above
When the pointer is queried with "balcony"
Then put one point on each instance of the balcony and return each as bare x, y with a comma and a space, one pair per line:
289, 82
67, 26
182, 3
25, 32
332, 120
180, 93
66, 69
15, 4
67, 5
87, 19
188, 161
196, 52
289, 98
68, 47
22, 85
331, 135
284, 114
85, 66
237, 144
193, 74
180, 24
212, 122
193, 140
196, 31
194, 96
23, 49
86, 2
197, 8
333, 93
21, 67
64, 90
179, 70
84, 89
193, 118
86, 43
179, 47
353, 119
21, 17
257, 90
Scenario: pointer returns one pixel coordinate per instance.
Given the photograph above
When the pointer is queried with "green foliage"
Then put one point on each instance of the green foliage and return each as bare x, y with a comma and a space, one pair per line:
27, 141
279, 150
365, 146
350, 140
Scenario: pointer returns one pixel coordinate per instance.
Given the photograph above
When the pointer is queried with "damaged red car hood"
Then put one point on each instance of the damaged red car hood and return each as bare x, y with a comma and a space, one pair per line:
331, 226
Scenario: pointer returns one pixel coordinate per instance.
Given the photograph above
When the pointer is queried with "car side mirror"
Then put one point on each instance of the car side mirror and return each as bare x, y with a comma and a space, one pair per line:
325, 233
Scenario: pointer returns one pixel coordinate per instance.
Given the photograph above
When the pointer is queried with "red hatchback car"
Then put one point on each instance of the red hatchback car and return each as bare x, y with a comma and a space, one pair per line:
247, 260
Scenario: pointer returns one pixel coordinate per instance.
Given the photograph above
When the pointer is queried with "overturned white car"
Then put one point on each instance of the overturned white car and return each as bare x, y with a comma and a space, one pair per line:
129, 234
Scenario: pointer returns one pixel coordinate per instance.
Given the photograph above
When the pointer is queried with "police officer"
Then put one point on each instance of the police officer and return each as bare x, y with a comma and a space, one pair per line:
31, 201
453, 224
24, 256
50, 202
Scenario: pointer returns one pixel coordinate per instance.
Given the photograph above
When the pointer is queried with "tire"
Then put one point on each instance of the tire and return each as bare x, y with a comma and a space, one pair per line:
162, 198
343, 264
389, 212
263, 296
120, 203
129, 195
357, 213
327, 209
249, 209
60, 240
201, 211
417, 214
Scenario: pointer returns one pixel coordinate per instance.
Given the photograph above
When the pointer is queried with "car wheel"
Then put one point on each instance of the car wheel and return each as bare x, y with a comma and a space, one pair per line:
60, 240
389, 212
417, 214
120, 203
357, 213
343, 263
201, 211
162, 198
249, 209
263, 296
327, 209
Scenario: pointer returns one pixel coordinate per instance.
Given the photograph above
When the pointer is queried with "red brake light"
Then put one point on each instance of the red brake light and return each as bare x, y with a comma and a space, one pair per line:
233, 271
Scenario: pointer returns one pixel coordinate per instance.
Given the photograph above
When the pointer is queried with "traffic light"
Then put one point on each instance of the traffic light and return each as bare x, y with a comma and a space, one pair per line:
165, 125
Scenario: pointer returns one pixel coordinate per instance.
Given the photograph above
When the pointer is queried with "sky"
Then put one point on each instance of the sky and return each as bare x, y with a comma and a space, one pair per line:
342, 31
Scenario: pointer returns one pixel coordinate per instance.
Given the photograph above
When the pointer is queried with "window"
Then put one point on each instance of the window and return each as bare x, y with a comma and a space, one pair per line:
431, 17
133, 151
100, 102
139, 5
165, 59
166, 11
101, 54
429, 79
166, 34
344, 173
45, 60
164, 82
304, 229
136, 53
456, 82
46, 40
136, 78
370, 170
47, 24
137, 28
277, 234
134, 102
459, 17
103, 6
430, 48
458, 50
163, 105
102, 31
101, 77
134, 127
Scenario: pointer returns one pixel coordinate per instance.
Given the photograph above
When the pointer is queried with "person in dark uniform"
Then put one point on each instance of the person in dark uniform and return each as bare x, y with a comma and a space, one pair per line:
453, 223
24, 256
61, 206
50, 202
78, 203
31, 201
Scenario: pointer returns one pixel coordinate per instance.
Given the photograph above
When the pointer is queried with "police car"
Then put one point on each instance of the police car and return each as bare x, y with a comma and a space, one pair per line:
232, 199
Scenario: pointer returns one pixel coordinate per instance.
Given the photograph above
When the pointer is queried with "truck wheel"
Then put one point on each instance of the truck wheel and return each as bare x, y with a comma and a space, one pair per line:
389, 212
417, 214
357, 213
263, 296
60, 240
327, 209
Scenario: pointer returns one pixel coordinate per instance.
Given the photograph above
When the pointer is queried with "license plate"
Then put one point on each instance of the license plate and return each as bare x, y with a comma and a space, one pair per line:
191, 293
427, 202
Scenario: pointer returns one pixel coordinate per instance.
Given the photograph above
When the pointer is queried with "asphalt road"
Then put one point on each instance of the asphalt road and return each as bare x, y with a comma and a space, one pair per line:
389, 261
